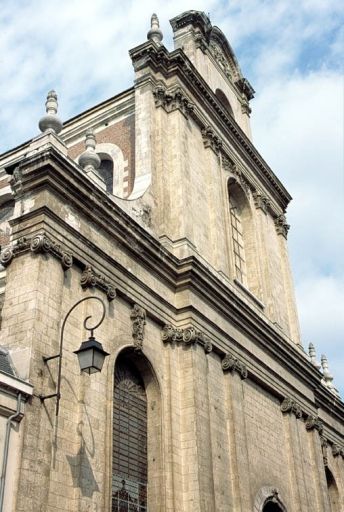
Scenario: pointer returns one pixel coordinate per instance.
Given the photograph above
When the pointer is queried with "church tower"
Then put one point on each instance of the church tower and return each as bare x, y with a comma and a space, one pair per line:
153, 217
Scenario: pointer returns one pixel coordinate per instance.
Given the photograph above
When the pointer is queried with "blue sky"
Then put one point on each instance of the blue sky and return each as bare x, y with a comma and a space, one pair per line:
291, 52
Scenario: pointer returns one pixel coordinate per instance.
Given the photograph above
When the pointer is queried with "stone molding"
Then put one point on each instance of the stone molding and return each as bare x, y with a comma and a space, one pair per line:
138, 318
290, 406
91, 279
211, 140
282, 227
187, 336
231, 363
38, 244
171, 100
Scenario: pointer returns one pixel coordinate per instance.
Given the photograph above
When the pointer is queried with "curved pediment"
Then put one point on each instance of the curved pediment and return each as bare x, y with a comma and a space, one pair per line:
223, 53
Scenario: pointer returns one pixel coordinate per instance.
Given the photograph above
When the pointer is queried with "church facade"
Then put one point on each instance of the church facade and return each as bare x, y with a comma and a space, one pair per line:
157, 205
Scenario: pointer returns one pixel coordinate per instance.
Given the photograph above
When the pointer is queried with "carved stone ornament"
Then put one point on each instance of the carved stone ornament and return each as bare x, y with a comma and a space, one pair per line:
231, 363
282, 227
38, 244
245, 88
138, 317
290, 406
188, 336
268, 494
200, 41
313, 423
90, 279
16, 182
173, 100
210, 140
260, 201
220, 58
337, 450
41, 243
324, 444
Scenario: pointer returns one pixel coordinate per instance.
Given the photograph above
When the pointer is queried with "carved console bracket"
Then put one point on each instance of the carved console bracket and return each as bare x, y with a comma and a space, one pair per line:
313, 423
187, 336
290, 406
38, 244
91, 279
337, 450
260, 201
173, 100
231, 363
282, 227
138, 318
210, 140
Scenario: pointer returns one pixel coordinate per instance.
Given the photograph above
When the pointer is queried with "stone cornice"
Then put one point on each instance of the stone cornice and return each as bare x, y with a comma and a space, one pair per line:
150, 55
54, 172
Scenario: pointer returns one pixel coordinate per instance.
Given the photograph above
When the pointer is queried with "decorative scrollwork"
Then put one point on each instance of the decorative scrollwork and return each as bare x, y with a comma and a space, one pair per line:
66, 260
90, 279
6, 256
289, 405
188, 336
40, 243
138, 317
313, 423
231, 363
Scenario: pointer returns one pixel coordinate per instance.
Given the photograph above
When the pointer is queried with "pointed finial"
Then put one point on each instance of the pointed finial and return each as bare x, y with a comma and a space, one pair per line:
327, 377
313, 356
155, 33
89, 160
51, 121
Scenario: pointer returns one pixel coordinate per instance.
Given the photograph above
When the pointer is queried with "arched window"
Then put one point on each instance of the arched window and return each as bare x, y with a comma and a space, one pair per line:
224, 101
237, 205
105, 171
272, 507
332, 491
129, 465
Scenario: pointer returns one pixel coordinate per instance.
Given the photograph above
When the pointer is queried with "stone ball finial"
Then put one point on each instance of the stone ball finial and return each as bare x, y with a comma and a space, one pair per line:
155, 33
89, 160
51, 122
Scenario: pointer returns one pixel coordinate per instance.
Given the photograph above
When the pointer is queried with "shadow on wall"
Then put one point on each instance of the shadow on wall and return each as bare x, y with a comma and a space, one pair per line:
82, 472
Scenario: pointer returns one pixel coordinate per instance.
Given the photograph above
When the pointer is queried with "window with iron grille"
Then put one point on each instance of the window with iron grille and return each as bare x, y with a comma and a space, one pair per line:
129, 465
238, 245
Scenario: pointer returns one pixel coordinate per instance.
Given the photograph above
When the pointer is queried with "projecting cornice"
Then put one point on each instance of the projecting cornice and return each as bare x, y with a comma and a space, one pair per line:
50, 172
159, 60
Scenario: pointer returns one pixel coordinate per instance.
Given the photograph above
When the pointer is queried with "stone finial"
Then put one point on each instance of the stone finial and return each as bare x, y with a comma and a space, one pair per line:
51, 121
89, 160
327, 376
313, 356
155, 33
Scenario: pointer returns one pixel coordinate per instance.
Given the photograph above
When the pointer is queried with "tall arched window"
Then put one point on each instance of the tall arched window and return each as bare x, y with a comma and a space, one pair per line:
224, 101
129, 465
332, 491
105, 171
237, 205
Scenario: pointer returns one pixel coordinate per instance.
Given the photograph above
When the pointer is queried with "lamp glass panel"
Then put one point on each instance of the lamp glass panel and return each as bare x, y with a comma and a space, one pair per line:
98, 360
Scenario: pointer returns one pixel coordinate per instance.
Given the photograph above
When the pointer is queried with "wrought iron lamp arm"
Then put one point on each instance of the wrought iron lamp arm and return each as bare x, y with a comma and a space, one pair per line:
60, 354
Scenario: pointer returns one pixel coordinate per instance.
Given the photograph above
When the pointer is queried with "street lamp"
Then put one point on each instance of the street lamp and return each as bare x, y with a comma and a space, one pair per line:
91, 355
